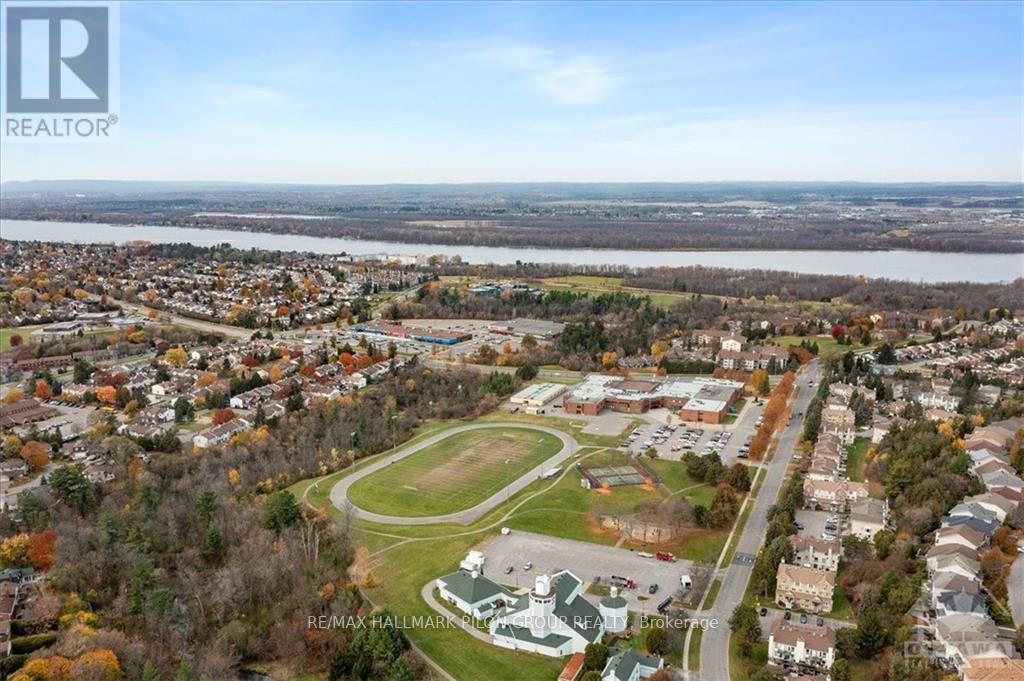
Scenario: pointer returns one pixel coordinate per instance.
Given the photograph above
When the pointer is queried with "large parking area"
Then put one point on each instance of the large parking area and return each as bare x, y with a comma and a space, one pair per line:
548, 555
672, 441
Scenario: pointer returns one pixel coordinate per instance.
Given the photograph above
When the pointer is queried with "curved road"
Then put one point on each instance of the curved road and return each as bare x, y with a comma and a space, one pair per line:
339, 493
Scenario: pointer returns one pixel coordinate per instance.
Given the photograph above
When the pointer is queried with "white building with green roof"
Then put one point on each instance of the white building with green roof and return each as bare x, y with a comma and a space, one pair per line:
474, 594
555, 619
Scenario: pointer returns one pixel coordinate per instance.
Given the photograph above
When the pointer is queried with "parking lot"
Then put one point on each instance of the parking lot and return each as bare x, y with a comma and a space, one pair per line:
672, 441
817, 524
587, 561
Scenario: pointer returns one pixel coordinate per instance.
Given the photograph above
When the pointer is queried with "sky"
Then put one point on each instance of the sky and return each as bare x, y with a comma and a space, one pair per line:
470, 92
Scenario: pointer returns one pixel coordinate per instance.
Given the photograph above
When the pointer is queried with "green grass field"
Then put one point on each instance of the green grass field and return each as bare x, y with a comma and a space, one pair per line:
855, 458
23, 331
590, 284
454, 474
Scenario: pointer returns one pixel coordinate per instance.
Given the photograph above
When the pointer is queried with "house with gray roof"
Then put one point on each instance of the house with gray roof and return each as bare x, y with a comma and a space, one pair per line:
629, 665
950, 602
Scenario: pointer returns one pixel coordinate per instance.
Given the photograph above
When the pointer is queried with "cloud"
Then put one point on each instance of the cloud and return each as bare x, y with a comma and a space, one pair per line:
567, 79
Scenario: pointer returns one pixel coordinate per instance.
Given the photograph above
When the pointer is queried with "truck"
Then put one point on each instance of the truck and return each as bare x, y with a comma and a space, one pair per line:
665, 556
550, 473
623, 582
664, 605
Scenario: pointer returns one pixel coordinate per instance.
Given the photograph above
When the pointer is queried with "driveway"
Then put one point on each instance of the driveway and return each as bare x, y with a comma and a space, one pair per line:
339, 493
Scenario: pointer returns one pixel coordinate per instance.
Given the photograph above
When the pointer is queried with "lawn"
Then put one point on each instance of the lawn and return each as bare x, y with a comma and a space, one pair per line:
825, 342
735, 412
456, 473
716, 585
695, 637
855, 458
841, 609
23, 331
592, 284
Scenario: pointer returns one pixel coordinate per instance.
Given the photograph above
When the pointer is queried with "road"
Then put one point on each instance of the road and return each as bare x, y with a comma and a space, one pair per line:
1016, 587
714, 650
339, 493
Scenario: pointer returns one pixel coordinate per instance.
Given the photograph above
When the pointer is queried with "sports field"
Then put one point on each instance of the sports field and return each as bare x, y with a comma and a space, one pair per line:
454, 474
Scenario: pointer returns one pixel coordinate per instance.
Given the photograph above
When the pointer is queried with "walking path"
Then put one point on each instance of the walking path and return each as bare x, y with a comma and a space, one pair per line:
1016, 589
339, 493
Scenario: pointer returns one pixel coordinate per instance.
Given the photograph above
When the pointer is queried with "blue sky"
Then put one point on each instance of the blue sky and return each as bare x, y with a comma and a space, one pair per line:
373, 93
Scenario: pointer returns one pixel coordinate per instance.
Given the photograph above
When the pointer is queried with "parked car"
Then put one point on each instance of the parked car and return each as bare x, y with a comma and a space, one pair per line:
763, 612
821, 621
509, 570
788, 615
803, 619
528, 566
652, 589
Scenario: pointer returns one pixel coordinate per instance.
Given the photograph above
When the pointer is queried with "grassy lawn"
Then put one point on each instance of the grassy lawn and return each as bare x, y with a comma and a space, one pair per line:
741, 668
695, 637
712, 594
841, 609
825, 342
737, 410
399, 577
23, 331
592, 284
855, 458
456, 473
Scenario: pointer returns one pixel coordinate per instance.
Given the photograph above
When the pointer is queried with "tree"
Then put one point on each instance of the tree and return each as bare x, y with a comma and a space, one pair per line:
176, 357
220, 416
36, 454
526, 372
71, 486
744, 625
592, 675
43, 391
41, 549
738, 477
14, 551
595, 655
13, 395
760, 381
657, 641
281, 511
213, 545
99, 664
840, 670
1018, 639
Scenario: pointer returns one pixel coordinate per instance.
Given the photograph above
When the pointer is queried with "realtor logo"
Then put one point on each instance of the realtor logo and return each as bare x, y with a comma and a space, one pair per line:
60, 68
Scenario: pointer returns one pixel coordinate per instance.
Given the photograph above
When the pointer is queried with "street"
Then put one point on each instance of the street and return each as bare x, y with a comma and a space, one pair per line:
714, 653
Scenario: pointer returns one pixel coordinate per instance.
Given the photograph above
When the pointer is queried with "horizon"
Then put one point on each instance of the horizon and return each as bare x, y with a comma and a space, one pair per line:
371, 94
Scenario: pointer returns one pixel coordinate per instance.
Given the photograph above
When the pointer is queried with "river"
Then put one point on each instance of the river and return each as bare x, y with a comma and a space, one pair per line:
924, 266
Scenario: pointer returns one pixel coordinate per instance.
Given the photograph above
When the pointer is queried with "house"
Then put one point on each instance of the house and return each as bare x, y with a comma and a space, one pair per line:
140, 430
629, 665
13, 468
999, 505
966, 602
833, 496
952, 582
216, 435
100, 473
5, 637
959, 637
473, 594
156, 413
554, 620
839, 421
804, 588
1002, 478
953, 562
938, 401
807, 647
868, 517
961, 535
820, 554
